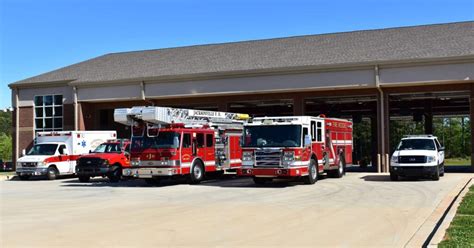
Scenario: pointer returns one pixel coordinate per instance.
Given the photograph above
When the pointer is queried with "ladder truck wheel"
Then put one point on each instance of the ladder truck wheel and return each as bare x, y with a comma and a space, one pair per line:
312, 173
115, 173
52, 173
197, 173
261, 180
84, 179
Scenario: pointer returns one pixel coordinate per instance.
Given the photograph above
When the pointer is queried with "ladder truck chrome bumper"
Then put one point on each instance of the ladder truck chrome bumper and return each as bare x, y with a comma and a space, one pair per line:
150, 172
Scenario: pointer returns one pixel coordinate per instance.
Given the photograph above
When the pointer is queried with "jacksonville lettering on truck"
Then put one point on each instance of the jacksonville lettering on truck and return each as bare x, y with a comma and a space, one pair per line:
55, 153
295, 147
174, 142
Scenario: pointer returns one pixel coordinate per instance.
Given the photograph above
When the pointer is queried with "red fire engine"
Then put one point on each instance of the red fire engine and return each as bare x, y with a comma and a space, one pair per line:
169, 142
295, 146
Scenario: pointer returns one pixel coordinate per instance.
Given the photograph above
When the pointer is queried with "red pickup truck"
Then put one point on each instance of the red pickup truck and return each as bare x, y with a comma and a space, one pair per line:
107, 160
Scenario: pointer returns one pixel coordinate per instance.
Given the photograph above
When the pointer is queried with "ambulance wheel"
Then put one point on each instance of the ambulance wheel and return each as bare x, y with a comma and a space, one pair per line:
261, 180
115, 174
52, 173
84, 179
24, 177
197, 173
312, 173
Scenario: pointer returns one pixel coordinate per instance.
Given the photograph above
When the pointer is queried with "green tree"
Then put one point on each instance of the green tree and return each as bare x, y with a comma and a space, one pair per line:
5, 147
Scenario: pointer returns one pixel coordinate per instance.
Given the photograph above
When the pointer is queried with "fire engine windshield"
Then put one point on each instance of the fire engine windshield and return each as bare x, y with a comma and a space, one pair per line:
162, 140
272, 136
417, 144
43, 149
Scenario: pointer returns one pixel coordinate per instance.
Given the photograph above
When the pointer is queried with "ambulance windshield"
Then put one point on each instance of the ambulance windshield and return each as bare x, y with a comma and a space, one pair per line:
272, 136
43, 149
162, 140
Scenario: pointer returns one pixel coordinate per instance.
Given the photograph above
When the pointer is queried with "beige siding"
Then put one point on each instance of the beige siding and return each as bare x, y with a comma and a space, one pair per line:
108, 93
27, 96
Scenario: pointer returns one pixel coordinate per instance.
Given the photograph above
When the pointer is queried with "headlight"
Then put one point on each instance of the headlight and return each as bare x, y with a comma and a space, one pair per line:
394, 159
106, 162
289, 156
430, 159
135, 162
40, 164
247, 156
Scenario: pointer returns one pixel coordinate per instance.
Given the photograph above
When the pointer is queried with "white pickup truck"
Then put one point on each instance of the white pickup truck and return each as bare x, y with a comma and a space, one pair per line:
418, 155
55, 153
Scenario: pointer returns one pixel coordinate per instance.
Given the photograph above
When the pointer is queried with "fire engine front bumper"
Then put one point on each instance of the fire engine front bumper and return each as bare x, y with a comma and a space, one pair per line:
273, 172
151, 172
23, 171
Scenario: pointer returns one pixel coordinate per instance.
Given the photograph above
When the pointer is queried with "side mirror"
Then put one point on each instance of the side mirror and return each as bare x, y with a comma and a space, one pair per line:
307, 140
90, 151
23, 152
441, 148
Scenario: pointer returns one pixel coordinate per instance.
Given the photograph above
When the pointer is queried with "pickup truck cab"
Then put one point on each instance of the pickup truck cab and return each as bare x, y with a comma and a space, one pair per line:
107, 160
418, 155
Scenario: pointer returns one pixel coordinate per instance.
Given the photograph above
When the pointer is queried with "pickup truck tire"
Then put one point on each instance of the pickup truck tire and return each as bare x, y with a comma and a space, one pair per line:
84, 179
24, 177
436, 174
52, 173
261, 180
312, 173
115, 174
197, 173
441, 174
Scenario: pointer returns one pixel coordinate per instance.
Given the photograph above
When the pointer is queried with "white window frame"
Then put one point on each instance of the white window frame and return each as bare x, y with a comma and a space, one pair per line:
44, 117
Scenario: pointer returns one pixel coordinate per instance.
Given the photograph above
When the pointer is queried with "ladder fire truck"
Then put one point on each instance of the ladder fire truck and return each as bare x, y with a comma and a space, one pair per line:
169, 142
295, 147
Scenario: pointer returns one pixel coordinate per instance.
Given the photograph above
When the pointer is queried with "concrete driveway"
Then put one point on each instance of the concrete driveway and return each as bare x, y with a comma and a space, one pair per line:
361, 209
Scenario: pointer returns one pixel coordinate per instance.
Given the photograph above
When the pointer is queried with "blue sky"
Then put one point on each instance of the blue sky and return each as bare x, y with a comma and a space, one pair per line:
38, 36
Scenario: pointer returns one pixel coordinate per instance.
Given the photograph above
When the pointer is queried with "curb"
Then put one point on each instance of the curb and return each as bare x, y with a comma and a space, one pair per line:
7, 177
432, 227
443, 226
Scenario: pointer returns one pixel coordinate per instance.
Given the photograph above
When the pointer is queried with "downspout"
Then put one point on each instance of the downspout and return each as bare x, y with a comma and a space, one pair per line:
381, 157
74, 89
143, 95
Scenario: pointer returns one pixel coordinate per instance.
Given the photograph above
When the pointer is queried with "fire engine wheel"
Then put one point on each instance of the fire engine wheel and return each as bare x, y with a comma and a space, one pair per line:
340, 171
197, 173
115, 174
312, 173
52, 173
84, 179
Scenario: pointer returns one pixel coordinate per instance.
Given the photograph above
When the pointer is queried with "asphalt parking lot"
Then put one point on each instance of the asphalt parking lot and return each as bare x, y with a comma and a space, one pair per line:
361, 209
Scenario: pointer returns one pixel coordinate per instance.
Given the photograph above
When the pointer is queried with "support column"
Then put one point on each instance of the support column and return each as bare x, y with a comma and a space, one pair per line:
16, 138
471, 118
76, 109
298, 105
386, 132
374, 140
429, 117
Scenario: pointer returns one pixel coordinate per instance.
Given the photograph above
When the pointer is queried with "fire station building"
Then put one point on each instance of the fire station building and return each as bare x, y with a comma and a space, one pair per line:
415, 72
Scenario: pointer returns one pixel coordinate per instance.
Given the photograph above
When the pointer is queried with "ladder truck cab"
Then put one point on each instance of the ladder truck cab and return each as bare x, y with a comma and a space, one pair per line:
295, 147
169, 142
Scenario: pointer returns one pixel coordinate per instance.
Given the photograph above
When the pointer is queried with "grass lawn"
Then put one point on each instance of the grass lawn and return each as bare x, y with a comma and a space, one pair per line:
457, 161
461, 230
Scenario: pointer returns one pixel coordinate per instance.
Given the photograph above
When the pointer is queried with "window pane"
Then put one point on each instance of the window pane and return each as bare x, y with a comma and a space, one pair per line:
209, 140
58, 123
48, 100
48, 123
58, 111
58, 99
48, 111
39, 112
38, 100
186, 140
39, 123
200, 139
